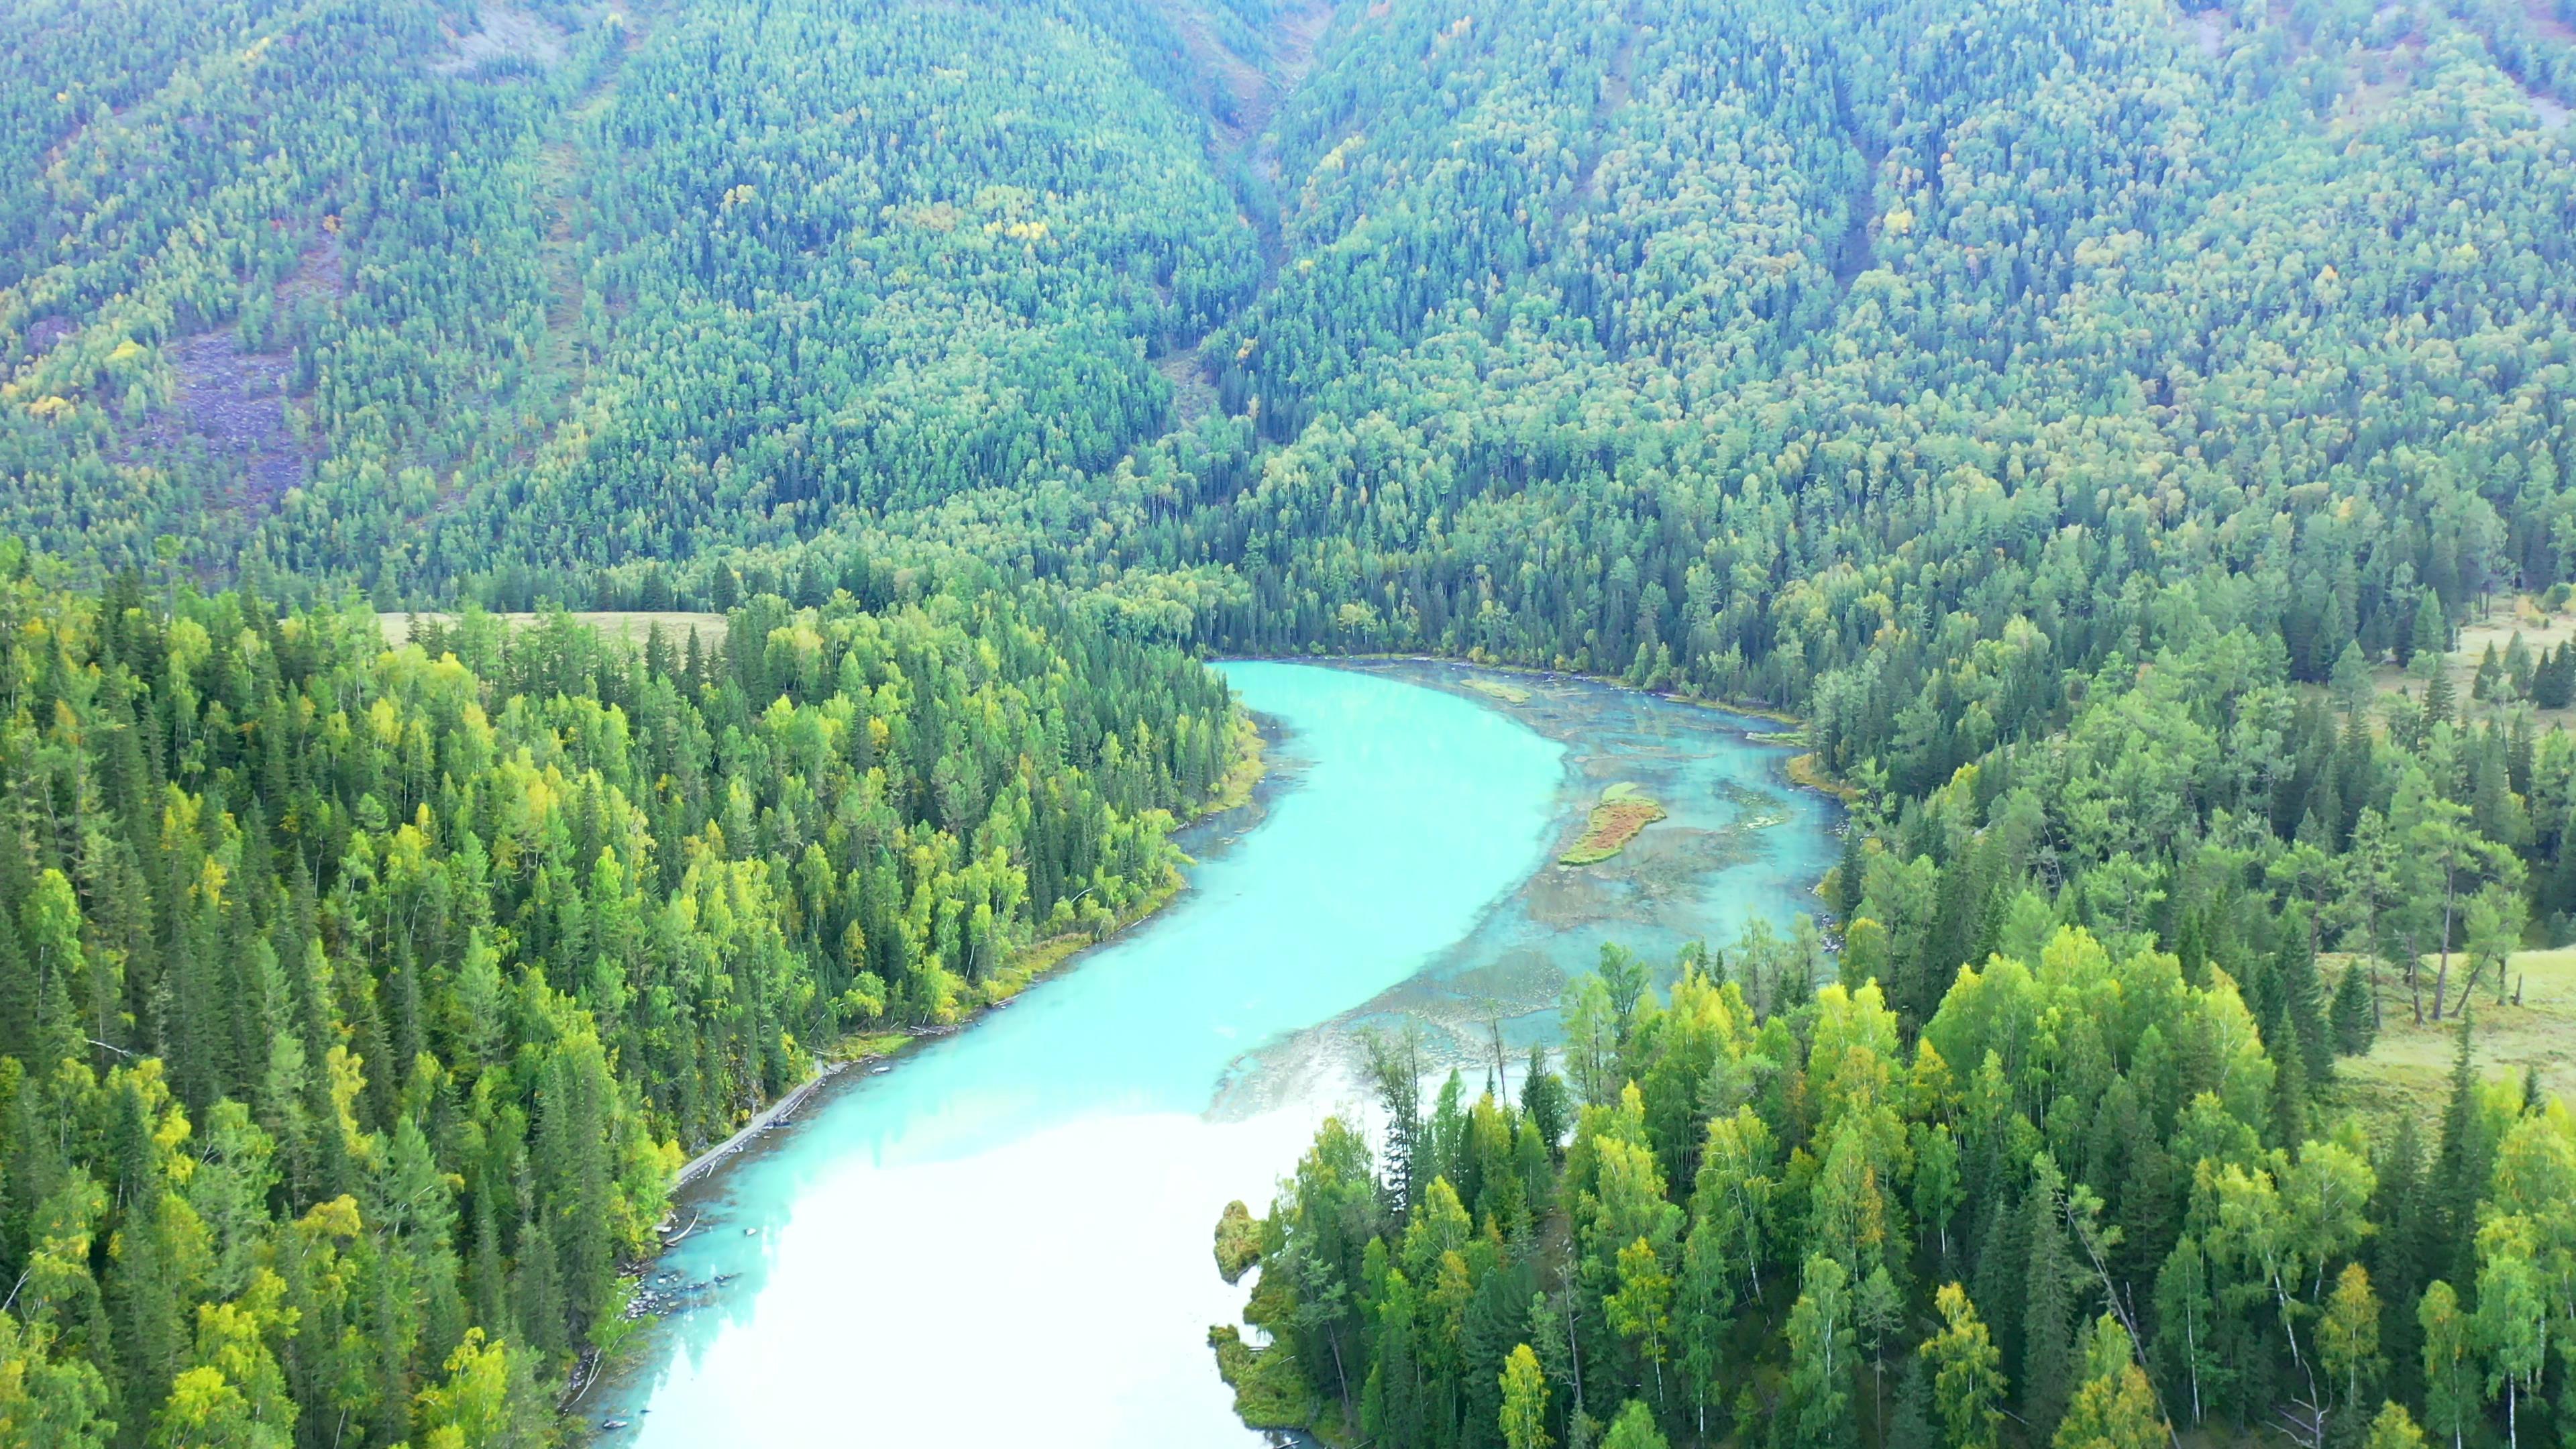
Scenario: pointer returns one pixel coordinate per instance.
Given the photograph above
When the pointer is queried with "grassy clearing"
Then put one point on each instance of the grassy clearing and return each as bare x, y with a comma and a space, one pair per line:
871, 1045
2517, 614
1807, 772
1623, 812
2408, 1068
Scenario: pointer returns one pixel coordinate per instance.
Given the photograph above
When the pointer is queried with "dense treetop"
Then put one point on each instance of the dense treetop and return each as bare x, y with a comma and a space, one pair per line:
2084, 1205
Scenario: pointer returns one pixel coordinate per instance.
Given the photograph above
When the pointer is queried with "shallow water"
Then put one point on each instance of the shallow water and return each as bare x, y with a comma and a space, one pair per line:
1738, 842
1005, 1238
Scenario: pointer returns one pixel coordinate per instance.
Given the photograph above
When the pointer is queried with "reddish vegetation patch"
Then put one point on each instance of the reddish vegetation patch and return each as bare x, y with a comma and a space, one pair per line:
2544, 18
1615, 822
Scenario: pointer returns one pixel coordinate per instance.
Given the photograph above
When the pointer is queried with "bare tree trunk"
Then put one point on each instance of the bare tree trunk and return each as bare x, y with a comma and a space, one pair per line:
1341, 1373
2415, 977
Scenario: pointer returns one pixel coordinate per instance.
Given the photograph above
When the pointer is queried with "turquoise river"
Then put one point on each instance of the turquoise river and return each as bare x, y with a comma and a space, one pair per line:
1004, 1239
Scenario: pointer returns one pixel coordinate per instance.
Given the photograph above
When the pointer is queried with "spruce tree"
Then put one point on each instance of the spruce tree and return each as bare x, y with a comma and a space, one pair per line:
2048, 1365
2399, 1251
2441, 699
2432, 632
2289, 1081
17, 987
1909, 1424
2350, 682
2553, 686
2002, 1267
2461, 1166
2350, 1017
2303, 995
2187, 1328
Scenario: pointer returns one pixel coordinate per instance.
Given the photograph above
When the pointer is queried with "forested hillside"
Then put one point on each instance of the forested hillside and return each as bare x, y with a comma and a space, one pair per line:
357, 1004
2094, 419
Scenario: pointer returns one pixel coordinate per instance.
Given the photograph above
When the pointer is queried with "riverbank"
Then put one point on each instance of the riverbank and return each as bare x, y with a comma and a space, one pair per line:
876, 1050
1409, 810
1040, 959
1025, 967
1768, 714
778, 1112
1805, 770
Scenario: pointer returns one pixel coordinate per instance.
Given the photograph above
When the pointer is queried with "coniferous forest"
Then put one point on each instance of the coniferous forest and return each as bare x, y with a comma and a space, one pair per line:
360, 1003
2098, 422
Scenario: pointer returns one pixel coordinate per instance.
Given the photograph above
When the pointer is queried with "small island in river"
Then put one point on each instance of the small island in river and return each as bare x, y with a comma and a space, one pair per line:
1623, 811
